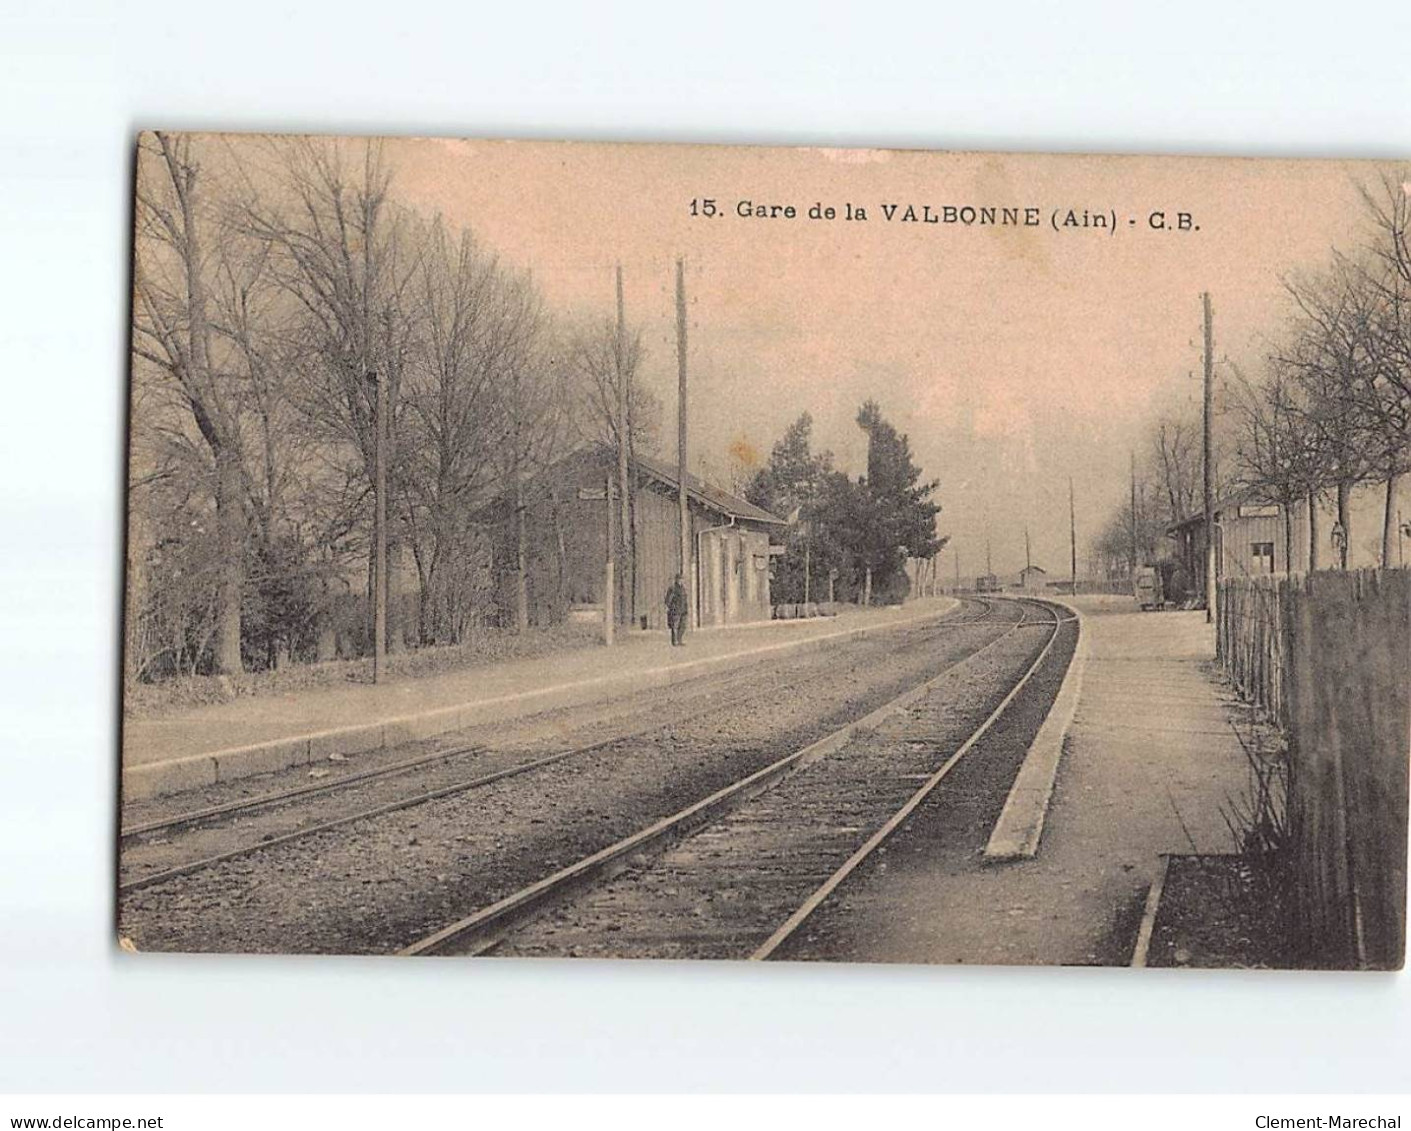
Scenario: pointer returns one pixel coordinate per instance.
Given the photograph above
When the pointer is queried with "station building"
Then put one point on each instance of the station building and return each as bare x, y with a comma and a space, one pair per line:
567, 530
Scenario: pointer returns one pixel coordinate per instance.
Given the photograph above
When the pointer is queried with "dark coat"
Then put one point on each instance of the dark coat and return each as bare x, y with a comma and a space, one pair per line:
676, 602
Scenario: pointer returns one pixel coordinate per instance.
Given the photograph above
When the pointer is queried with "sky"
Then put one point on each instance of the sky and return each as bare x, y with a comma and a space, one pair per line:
1013, 356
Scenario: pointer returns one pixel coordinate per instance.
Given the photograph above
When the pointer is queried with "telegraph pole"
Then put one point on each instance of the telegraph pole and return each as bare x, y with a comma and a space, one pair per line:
1133, 563
379, 449
625, 520
609, 566
1210, 583
683, 514
1072, 538
379, 597
1028, 561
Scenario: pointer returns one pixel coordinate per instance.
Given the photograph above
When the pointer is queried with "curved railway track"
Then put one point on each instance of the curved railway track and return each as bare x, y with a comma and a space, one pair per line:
789, 856
977, 611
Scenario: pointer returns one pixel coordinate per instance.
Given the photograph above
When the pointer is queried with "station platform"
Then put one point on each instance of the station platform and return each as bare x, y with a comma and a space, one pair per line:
1149, 760
203, 745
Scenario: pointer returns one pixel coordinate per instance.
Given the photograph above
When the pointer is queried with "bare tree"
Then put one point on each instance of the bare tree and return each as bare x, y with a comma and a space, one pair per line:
1278, 451
250, 320
1387, 273
530, 404
172, 332
597, 360
340, 248
1175, 458
591, 359
449, 472
1332, 354
1113, 545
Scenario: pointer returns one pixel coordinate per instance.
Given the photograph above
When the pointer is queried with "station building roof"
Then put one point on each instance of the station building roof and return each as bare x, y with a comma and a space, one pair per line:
708, 495
1242, 497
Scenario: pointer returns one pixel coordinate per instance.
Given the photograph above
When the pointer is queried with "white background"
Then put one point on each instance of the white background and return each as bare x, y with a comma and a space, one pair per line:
76, 81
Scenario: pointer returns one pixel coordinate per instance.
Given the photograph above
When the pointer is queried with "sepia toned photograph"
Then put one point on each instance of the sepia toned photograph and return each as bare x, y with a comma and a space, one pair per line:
577, 550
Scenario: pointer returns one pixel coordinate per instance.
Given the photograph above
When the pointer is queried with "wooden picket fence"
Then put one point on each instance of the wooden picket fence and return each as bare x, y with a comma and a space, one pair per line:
1328, 657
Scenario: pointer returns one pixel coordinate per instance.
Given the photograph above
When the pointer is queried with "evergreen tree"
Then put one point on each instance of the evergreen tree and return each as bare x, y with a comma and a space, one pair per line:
797, 484
841, 527
789, 481
899, 519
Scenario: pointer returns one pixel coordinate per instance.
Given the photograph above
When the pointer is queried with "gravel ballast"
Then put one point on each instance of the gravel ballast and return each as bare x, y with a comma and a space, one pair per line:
373, 886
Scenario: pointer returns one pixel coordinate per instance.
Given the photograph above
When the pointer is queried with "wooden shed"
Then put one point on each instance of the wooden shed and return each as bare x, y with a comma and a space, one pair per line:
1251, 537
1033, 579
1249, 540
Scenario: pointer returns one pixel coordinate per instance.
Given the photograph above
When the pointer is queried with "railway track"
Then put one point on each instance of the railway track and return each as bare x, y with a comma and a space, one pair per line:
979, 611
737, 873
294, 793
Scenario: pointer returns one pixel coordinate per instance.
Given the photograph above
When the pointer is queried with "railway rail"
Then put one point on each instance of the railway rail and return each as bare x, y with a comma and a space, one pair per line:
283, 796
845, 818
975, 612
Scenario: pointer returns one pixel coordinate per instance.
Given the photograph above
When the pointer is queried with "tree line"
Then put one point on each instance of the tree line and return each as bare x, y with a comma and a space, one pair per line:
281, 284
1327, 410
1331, 409
275, 287
1166, 488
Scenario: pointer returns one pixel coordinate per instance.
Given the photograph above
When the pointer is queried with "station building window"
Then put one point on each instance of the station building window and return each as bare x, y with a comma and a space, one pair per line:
1263, 555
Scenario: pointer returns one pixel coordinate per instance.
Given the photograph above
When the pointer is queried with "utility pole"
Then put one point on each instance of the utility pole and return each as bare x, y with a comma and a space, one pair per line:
683, 514
989, 569
625, 521
379, 599
379, 446
1028, 561
609, 566
1132, 563
1072, 538
957, 569
1210, 583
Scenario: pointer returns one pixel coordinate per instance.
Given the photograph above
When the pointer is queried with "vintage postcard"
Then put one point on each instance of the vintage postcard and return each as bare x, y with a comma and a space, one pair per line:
649, 551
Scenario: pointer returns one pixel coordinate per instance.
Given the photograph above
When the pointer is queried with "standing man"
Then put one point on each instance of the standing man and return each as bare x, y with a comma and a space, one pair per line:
676, 610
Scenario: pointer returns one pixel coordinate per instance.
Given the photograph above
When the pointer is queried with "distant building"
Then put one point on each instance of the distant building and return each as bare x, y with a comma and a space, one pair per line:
728, 574
1032, 578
